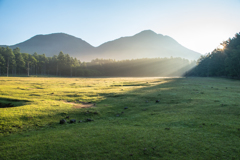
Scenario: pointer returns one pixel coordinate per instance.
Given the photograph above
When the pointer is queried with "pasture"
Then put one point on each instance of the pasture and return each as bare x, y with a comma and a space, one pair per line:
132, 118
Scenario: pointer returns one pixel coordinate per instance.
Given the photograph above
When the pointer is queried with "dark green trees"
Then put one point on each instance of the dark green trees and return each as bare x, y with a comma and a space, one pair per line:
20, 63
65, 65
7, 59
220, 62
30, 62
2, 62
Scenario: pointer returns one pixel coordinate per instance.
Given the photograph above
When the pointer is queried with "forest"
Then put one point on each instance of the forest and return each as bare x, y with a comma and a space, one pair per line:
221, 62
15, 63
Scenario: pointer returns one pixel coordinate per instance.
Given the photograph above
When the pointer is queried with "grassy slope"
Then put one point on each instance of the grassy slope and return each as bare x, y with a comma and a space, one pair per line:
196, 118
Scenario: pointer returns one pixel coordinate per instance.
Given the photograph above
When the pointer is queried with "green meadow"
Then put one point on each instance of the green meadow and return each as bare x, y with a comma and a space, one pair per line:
131, 118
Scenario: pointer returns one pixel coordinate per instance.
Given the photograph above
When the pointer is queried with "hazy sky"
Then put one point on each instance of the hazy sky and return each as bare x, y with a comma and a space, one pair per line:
198, 25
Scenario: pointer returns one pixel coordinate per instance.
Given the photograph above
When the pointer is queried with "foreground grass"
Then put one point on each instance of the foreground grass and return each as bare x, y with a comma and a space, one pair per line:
196, 118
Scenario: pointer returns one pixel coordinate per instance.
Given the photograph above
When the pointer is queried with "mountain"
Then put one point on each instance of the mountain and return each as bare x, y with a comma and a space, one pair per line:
146, 44
52, 44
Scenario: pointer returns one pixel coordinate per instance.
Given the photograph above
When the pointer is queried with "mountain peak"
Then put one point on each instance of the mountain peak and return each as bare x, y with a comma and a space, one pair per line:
146, 32
52, 44
55, 35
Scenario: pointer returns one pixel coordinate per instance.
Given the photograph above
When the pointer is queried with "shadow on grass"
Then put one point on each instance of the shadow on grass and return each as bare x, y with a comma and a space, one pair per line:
181, 124
7, 102
113, 104
136, 100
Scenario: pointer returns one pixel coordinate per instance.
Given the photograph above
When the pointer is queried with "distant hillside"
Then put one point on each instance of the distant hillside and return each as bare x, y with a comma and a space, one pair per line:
52, 44
146, 44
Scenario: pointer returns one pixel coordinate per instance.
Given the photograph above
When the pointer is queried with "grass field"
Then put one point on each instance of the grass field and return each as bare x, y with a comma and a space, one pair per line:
195, 118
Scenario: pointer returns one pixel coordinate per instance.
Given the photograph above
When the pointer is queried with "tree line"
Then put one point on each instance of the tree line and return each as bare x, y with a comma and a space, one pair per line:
15, 63
223, 62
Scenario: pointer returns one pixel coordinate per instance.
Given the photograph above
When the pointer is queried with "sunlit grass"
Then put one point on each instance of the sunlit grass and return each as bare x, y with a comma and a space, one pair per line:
47, 97
196, 118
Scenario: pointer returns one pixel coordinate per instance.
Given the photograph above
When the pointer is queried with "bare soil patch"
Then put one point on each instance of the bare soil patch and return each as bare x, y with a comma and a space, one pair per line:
82, 105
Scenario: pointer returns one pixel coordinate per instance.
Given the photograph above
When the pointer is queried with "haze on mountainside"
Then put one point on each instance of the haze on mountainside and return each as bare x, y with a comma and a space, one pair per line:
146, 44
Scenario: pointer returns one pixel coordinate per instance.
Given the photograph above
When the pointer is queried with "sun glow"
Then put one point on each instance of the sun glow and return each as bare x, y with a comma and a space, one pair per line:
221, 47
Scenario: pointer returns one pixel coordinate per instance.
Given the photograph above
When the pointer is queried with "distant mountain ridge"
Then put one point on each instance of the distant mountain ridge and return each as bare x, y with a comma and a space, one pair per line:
52, 44
146, 44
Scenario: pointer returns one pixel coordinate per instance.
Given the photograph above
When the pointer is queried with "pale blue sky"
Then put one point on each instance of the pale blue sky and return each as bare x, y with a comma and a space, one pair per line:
197, 25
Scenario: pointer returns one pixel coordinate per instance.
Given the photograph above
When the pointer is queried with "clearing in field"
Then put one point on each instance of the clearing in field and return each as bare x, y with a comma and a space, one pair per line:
130, 118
